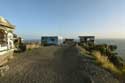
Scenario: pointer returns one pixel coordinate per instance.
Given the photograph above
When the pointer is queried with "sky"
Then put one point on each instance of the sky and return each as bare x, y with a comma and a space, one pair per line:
67, 18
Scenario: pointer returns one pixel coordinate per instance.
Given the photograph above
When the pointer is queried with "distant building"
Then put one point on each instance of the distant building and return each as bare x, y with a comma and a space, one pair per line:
87, 39
51, 40
69, 42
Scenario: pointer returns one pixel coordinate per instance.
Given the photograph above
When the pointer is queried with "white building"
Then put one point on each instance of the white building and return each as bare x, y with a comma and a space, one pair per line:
6, 38
51, 40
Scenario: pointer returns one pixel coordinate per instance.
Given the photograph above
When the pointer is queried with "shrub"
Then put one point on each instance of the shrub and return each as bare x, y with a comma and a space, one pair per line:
105, 63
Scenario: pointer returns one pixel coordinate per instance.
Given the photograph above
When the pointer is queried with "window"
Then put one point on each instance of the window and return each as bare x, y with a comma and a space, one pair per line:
52, 39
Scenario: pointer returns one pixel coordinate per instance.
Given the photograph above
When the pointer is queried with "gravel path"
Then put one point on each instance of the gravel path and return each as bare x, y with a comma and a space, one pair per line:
51, 65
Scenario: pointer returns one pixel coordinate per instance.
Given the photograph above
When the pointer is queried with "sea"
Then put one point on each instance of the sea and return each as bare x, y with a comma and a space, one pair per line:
119, 42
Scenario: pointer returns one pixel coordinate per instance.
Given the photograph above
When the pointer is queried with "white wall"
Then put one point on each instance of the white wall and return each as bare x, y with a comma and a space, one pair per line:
10, 40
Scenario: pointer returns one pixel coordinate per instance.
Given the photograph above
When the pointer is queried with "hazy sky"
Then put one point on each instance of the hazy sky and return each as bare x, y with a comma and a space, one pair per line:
34, 18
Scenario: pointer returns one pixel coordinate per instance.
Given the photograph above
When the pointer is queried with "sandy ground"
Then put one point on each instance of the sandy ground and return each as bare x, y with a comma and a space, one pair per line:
47, 65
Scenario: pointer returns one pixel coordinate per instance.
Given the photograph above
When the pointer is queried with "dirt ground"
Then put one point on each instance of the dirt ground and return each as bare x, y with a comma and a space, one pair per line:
54, 65
46, 65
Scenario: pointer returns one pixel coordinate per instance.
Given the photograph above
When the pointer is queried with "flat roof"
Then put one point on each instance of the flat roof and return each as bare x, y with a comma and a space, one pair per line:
49, 36
8, 26
86, 36
69, 39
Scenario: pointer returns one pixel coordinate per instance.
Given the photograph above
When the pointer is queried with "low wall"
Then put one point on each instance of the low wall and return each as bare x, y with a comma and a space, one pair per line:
5, 56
